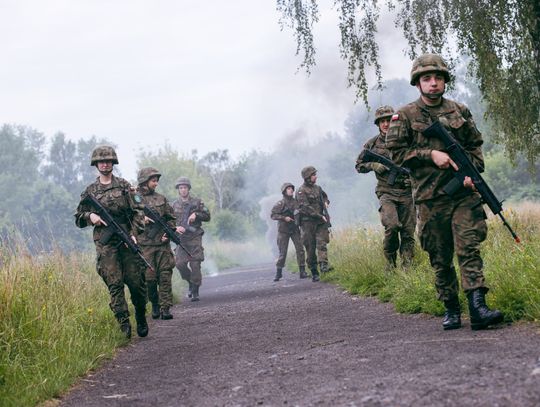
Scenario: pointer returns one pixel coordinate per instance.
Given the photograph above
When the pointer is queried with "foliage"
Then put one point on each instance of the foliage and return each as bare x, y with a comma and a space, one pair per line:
229, 225
55, 324
512, 270
501, 37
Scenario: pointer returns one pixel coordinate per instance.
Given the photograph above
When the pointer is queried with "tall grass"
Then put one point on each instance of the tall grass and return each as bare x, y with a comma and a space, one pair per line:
512, 270
55, 324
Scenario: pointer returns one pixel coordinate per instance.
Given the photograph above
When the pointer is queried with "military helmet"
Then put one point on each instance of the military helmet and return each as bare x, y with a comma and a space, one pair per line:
308, 171
285, 186
382, 112
146, 173
427, 63
103, 153
182, 181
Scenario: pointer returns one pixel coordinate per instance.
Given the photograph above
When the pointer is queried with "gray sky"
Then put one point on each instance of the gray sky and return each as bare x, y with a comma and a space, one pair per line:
199, 74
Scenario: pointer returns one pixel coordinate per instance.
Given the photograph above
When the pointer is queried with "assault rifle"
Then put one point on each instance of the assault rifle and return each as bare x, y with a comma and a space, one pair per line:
114, 229
184, 222
466, 169
161, 225
325, 211
369, 156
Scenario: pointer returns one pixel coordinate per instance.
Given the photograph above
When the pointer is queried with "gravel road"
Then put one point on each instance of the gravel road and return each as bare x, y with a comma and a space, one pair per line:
250, 341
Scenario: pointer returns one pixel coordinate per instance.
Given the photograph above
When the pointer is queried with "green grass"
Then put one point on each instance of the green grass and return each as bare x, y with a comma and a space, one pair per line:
55, 325
512, 270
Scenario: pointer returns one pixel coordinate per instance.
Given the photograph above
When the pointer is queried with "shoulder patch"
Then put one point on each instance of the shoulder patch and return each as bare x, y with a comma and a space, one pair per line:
137, 198
395, 117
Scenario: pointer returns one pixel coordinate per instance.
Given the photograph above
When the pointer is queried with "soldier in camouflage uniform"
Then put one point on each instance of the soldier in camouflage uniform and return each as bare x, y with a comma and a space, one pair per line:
284, 212
396, 203
155, 244
190, 212
446, 223
116, 264
314, 222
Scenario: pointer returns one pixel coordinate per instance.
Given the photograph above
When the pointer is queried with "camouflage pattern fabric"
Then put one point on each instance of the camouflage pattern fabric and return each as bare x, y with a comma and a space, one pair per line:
446, 224
115, 263
287, 231
158, 253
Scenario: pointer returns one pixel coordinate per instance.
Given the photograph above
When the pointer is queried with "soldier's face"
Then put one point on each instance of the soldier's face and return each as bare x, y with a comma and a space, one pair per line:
313, 178
384, 124
431, 85
105, 167
153, 183
289, 191
183, 191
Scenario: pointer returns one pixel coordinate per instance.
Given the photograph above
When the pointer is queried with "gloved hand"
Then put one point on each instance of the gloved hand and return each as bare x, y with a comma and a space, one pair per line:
379, 168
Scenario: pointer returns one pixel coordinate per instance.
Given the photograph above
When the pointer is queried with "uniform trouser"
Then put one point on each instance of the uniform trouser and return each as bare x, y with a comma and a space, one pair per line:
162, 260
190, 266
283, 246
315, 237
117, 266
398, 217
445, 226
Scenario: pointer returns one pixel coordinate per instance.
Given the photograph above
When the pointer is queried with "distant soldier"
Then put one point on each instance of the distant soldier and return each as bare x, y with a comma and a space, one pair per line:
190, 212
284, 212
314, 221
155, 245
396, 209
450, 219
116, 264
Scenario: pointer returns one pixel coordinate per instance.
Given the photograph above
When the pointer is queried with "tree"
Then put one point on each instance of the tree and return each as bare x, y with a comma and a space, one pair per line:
501, 37
217, 165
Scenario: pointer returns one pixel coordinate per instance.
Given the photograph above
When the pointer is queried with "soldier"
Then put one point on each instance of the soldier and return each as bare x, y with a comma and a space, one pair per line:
314, 221
284, 212
190, 212
155, 244
396, 203
447, 223
116, 264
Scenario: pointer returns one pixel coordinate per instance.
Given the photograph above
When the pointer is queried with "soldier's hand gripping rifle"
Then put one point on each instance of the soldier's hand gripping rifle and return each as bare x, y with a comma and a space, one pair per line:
114, 229
162, 225
466, 169
369, 156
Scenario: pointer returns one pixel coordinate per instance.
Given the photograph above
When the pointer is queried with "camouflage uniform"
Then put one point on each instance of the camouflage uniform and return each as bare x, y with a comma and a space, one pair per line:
157, 252
287, 230
191, 239
314, 230
116, 264
396, 210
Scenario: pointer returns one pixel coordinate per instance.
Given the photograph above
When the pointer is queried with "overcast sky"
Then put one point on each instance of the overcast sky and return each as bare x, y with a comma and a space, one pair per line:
199, 74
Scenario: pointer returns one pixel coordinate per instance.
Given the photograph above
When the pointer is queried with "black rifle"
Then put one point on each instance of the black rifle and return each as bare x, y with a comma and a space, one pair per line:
161, 225
466, 169
114, 229
369, 156
296, 219
325, 211
184, 222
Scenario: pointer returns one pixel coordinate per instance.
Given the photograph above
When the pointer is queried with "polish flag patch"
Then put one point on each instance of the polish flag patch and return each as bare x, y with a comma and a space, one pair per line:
395, 117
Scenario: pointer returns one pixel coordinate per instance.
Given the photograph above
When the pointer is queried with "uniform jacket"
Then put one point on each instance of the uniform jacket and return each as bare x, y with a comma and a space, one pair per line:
153, 233
402, 185
118, 198
283, 208
409, 147
311, 199
183, 209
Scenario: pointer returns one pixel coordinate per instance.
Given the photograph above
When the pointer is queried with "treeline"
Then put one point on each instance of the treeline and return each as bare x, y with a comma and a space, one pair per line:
41, 179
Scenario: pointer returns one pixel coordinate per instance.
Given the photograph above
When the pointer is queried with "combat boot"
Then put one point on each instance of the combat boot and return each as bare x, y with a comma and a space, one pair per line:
303, 273
166, 314
452, 314
279, 274
481, 315
195, 292
155, 310
190, 290
315, 274
324, 267
142, 325
125, 326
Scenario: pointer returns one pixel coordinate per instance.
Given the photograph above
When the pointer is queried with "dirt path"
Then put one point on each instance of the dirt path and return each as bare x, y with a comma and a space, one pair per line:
254, 342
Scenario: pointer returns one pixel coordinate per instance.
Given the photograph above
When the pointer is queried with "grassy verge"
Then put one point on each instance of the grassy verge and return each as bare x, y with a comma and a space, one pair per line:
512, 270
55, 324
